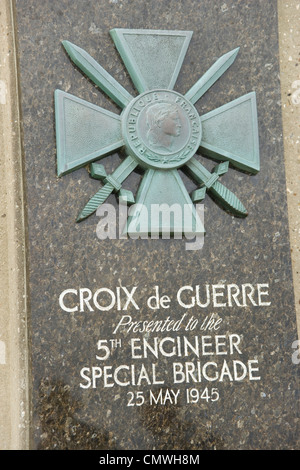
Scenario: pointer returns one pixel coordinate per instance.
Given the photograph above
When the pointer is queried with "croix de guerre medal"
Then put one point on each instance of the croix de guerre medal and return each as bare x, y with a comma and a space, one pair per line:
159, 129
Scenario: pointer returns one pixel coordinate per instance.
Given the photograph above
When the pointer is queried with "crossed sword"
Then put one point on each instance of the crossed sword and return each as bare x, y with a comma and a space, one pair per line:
113, 182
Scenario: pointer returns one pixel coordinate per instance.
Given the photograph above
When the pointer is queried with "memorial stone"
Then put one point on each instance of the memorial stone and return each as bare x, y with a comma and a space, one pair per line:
165, 343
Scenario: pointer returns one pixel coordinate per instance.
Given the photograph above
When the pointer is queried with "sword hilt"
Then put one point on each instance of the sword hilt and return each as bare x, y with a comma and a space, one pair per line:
112, 182
209, 181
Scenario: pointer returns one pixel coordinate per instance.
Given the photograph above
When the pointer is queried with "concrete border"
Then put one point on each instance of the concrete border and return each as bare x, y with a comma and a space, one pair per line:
14, 367
289, 41
14, 320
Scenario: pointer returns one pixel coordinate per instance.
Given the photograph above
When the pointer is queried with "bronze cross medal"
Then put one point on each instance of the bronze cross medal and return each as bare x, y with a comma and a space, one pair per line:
160, 131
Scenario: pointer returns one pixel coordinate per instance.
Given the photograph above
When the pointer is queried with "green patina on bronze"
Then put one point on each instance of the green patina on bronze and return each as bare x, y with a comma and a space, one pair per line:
160, 129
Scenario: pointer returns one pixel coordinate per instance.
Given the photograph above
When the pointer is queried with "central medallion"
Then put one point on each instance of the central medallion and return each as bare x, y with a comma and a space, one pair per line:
162, 129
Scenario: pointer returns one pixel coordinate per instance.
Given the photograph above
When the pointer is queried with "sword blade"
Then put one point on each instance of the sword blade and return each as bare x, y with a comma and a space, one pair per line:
225, 197
228, 200
98, 74
120, 174
211, 76
95, 201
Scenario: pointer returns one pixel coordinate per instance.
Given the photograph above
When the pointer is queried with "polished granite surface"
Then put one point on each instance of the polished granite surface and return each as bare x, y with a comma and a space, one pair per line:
237, 387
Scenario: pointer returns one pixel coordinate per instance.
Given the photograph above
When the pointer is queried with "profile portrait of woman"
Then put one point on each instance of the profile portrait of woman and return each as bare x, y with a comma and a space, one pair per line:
164, 125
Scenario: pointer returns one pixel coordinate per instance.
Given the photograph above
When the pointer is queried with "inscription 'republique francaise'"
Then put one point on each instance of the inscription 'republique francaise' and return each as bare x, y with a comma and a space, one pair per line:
162, 127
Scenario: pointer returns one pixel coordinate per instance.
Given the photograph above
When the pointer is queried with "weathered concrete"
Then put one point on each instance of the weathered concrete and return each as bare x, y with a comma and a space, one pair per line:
14, 400
289, 39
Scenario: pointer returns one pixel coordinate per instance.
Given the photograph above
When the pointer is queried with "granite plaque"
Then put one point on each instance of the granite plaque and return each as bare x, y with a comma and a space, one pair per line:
153, 342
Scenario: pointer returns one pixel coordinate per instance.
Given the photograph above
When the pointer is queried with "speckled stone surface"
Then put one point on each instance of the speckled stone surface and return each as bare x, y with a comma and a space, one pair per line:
249, 414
